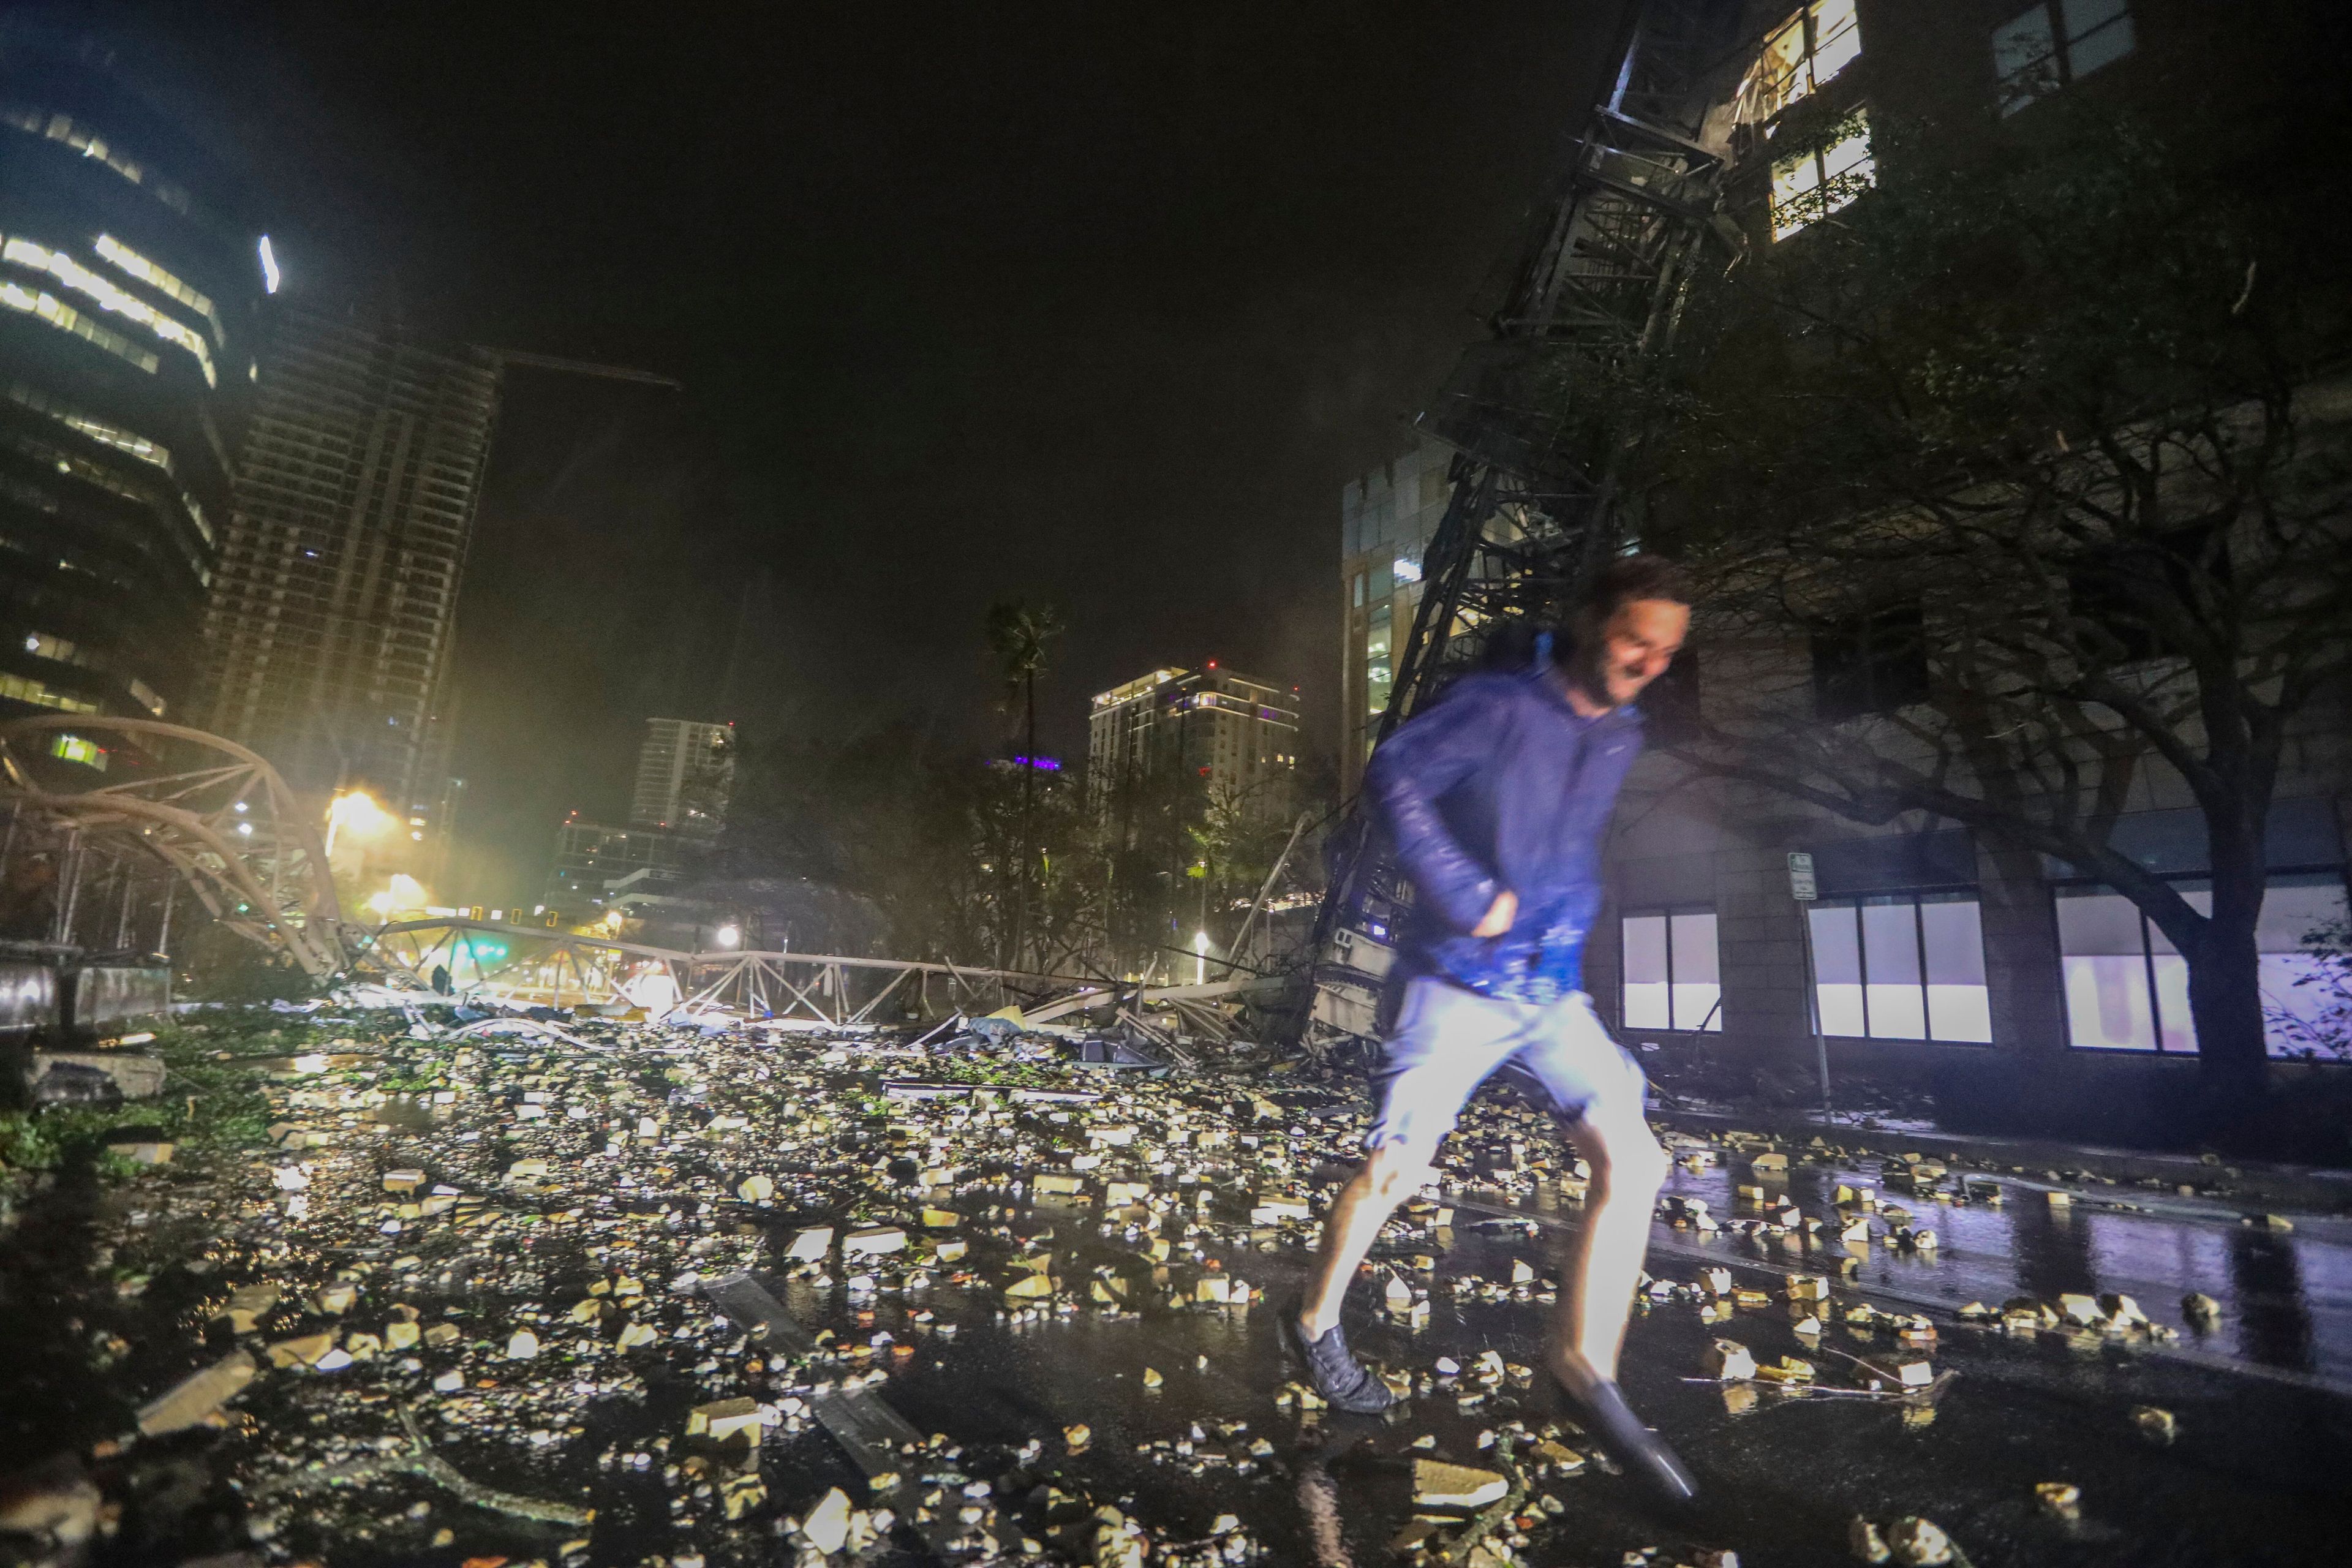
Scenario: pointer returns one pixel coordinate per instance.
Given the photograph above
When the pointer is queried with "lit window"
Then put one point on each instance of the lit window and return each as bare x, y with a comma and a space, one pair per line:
1671, 976
74, 749
1801, 55
154, 276
1809, 185
82, 139
1406, 568
58, 314
2043, 48
148, 697
41, 696
56, 648
2127, 986
91, 425
112, 296
1901, 966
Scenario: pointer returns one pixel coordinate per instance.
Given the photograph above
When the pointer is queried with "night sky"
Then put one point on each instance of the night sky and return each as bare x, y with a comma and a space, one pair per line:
1078, 302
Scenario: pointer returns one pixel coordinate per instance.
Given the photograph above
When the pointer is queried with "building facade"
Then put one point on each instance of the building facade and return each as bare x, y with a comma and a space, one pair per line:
591, 858
329, 629
686, 774
1386, 520
1922, 951
1238, 733
128, 290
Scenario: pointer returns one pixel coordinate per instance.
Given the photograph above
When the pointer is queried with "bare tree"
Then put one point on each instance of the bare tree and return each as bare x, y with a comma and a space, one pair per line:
2015, 484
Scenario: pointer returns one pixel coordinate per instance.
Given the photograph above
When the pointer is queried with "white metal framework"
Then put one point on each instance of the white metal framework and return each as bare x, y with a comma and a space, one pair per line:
206, 807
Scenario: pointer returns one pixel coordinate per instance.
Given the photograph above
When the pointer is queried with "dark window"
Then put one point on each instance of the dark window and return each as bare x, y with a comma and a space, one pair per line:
1869, 664
2123, 600
1671, 704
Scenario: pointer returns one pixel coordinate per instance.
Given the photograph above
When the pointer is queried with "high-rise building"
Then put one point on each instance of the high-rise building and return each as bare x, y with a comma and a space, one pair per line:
128, 293
1239, 734
686, 772
1386, 520
330, 626
589, 858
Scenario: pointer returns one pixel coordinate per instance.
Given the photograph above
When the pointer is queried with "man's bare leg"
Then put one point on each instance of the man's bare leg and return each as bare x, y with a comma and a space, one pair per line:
1604, 1263
1605, 1256
1388, 1176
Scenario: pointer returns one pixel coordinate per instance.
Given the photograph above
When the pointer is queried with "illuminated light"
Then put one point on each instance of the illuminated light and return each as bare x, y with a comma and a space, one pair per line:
245, 829
1406, 569
240, 805
1200, 957
76, 749
728, 935
270, 274
355, 812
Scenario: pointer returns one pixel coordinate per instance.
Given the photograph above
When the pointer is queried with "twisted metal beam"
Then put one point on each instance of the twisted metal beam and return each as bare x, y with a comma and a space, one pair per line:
213, 812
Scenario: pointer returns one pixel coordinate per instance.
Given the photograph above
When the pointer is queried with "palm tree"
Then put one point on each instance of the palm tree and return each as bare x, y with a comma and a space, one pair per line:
1018, 633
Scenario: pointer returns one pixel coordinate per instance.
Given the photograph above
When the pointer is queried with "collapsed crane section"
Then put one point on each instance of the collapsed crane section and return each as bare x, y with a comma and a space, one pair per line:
1530, 415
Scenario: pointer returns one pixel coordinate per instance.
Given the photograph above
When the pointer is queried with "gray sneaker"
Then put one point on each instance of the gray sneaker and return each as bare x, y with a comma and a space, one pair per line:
1335, 1372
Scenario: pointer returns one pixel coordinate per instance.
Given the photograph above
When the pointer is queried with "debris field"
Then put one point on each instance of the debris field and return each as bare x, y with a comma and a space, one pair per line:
572, 1289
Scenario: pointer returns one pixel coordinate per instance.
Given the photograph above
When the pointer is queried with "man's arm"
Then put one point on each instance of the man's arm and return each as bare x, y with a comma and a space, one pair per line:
1405, 779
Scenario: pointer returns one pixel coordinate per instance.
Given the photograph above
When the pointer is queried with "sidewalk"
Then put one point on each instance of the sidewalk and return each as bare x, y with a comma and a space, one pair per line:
2219, 1189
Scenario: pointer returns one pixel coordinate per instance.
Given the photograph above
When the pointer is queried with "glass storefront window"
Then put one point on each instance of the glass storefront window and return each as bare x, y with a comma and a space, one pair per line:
2127, 986
1671, 976
1902, 966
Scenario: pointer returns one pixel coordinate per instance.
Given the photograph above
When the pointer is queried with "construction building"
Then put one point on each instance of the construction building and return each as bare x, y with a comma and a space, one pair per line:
685, 773
1919, 951
1386, 520
129, 288
1238, 733
330, 623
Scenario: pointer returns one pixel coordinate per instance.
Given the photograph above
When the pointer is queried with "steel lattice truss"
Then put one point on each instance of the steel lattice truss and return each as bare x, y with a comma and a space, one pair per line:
206, 807
532, 964
1531, 413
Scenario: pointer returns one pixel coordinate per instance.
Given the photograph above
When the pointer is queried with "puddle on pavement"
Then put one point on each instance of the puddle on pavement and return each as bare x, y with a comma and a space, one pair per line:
2286, 1299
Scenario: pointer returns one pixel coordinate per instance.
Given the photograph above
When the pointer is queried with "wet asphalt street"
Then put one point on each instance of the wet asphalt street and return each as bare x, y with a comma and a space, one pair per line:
2255, 1476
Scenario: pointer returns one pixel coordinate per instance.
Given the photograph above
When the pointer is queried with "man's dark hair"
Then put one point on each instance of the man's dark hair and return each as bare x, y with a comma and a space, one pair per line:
1626, 579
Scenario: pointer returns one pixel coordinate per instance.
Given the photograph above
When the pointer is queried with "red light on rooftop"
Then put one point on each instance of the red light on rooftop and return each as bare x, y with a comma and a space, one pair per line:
1213, 664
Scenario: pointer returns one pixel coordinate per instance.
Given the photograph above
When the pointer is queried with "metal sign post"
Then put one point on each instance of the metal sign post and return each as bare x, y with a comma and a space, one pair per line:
1805, 889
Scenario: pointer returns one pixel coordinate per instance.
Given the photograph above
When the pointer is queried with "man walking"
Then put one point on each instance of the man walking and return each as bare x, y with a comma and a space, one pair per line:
1498, 800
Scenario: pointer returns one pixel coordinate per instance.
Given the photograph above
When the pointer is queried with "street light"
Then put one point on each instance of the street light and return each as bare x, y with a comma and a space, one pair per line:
728, 935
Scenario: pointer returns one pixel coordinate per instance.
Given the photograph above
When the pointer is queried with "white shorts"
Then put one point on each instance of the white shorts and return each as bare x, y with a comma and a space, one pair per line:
1448, 1041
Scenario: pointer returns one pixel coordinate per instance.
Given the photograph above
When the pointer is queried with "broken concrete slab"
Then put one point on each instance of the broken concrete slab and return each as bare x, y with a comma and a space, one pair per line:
197, 1397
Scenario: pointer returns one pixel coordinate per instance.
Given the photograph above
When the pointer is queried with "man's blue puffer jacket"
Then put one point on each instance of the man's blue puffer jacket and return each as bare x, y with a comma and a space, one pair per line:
1503, 784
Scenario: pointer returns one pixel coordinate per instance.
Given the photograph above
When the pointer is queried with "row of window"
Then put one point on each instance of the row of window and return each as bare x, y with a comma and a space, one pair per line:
1911, 966
64, 316
2035, 53
25, 690
89, 144
111, 297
